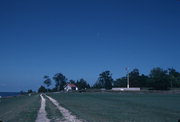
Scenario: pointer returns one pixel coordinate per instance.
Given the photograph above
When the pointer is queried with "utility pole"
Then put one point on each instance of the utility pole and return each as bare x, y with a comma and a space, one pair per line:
127, 77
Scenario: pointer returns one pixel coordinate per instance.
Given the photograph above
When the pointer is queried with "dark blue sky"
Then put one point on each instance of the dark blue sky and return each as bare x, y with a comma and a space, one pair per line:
82, 38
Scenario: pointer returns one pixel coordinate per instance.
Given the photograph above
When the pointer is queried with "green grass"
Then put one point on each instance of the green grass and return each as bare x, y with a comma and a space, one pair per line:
52, 112
126, 107
19, 109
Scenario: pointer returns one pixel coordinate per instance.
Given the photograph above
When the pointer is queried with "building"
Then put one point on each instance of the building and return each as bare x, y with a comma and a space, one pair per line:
126, 89
70, 87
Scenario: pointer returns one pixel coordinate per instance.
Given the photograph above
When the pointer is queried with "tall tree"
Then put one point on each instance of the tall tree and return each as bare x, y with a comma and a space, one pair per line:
144, 81
60, 80
120, 82
47, 81
82, 84
174, 77
160, 79
105, 80
30, 91
42, 89
134, 78
72, 81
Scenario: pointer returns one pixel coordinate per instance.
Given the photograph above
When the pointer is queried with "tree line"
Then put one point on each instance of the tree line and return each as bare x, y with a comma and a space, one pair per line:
157, 79
60, 81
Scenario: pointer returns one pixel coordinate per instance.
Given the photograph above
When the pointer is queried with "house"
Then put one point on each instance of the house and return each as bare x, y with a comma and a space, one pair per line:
70, 87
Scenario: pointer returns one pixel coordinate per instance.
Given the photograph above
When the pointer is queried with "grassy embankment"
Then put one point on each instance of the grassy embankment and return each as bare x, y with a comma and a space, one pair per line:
19, 109
136, 107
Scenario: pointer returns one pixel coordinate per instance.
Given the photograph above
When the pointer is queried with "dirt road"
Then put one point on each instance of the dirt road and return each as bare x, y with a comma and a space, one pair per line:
42, 115
68, 117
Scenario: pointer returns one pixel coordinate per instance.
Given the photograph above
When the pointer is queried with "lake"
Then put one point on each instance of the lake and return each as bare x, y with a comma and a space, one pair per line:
6, 94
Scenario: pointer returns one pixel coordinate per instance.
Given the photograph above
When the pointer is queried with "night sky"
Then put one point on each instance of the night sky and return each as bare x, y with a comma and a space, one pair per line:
82, 38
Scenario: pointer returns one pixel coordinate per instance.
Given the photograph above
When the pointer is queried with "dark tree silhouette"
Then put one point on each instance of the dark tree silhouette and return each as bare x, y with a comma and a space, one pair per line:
120, 82
29, 91
47, 81
134, 78
82, 84
60, 80
42, 89
105, 80
160, 79
157, 79
72, 81
144, 81
174, 77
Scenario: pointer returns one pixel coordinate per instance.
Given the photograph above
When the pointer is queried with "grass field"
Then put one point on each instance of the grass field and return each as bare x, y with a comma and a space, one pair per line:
52, 112
124, 107
96, 107
19, 109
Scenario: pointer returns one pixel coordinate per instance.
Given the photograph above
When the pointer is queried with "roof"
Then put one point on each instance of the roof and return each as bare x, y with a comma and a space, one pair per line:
71, 85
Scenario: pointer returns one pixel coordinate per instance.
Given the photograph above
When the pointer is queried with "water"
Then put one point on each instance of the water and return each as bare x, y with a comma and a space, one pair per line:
7, 94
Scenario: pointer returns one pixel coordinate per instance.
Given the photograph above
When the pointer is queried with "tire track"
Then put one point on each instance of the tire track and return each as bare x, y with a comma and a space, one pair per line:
68, 117
42, 115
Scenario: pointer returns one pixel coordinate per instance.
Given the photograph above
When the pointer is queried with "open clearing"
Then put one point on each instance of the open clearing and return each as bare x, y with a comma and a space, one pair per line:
94, 107
19, 109
109, 107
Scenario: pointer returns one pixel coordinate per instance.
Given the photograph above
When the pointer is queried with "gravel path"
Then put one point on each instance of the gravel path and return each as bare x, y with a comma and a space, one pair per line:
42, 115
68, 117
